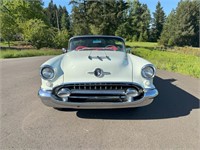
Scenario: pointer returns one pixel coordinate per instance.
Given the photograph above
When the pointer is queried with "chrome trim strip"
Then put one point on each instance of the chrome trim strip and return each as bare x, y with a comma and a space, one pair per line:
96, 36
98, 97
110, 92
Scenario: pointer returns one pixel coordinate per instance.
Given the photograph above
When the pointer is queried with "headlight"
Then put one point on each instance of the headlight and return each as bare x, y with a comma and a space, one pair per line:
47, 73
148, 71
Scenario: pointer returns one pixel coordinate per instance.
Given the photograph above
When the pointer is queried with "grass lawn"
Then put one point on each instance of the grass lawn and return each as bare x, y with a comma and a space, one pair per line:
184, 60
141, 44
28, 53
177, 62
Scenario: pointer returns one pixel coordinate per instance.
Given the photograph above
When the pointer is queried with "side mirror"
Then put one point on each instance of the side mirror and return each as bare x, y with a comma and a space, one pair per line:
128, 50
64, 50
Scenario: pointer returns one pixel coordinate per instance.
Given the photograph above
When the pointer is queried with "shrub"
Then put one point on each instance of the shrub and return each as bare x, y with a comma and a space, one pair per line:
61, 39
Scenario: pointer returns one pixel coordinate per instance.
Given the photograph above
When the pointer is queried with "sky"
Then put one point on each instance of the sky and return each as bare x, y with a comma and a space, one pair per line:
167, 5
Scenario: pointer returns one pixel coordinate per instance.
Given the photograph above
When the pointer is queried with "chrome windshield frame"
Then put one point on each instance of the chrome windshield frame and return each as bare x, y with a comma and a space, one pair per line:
97, 36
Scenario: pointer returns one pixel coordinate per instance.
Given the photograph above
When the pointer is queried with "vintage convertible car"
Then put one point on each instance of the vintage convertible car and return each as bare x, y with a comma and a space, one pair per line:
97, 72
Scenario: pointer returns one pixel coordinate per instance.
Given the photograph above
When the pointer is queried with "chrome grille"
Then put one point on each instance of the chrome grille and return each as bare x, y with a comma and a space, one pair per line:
98, 90
100, 86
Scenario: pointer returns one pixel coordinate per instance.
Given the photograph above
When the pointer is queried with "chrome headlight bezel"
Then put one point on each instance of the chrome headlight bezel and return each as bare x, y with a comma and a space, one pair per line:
148, 71
50, 69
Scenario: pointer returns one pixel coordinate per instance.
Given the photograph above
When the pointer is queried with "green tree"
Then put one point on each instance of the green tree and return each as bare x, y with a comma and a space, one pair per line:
61, 39
97, 17
113, 16
37, 33
135, 19
140, 20
24, 10
80, 23
182, 26
51, 12
8, 26
168, 33
157, 22
125, 29
14, 13
144, 23
65, 20
187, 31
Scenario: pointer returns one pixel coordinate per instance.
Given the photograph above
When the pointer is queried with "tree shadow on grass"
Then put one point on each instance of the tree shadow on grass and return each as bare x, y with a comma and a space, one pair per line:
171, 102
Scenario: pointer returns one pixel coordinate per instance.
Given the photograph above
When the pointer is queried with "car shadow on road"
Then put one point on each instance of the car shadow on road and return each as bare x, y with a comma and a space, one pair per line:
171, 102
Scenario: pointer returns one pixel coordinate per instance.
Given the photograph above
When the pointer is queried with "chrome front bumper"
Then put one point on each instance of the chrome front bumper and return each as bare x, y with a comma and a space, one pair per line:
48, 100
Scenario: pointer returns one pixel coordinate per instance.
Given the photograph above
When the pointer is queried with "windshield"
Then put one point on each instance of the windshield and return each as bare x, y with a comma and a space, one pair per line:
97, 43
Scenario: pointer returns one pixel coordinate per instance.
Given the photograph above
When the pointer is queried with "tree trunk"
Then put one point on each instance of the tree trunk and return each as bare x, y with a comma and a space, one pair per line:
9, 43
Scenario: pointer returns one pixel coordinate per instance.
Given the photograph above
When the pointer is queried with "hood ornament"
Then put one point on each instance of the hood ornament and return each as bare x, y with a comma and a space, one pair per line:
98, 72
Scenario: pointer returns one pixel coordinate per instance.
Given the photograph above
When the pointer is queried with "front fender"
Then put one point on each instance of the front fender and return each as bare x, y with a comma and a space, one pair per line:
137, 64
58, 79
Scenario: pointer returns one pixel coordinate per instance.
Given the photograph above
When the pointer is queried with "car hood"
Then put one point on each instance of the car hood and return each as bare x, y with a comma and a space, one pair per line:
79, 66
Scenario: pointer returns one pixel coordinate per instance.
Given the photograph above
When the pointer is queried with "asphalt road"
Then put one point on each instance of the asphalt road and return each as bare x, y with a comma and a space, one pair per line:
172, 121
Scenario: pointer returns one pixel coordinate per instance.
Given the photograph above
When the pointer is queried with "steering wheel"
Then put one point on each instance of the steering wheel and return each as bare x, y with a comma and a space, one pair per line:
113, 47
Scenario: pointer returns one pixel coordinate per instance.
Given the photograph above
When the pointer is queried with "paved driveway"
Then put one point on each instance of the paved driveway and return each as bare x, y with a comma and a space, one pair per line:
172, 121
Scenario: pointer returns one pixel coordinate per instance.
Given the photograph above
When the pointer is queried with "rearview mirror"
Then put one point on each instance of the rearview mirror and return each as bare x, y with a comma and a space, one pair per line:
64, 50
128, 50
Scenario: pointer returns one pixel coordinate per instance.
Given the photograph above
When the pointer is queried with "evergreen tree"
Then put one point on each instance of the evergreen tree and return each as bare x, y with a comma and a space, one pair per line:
144, 23
102, 17
65, 19
187, 31
168, 34
59, 15
140, 19
157, 22
125, 29
52, 14
80, 21
64, 22
135, 19
182, 26
111, 15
